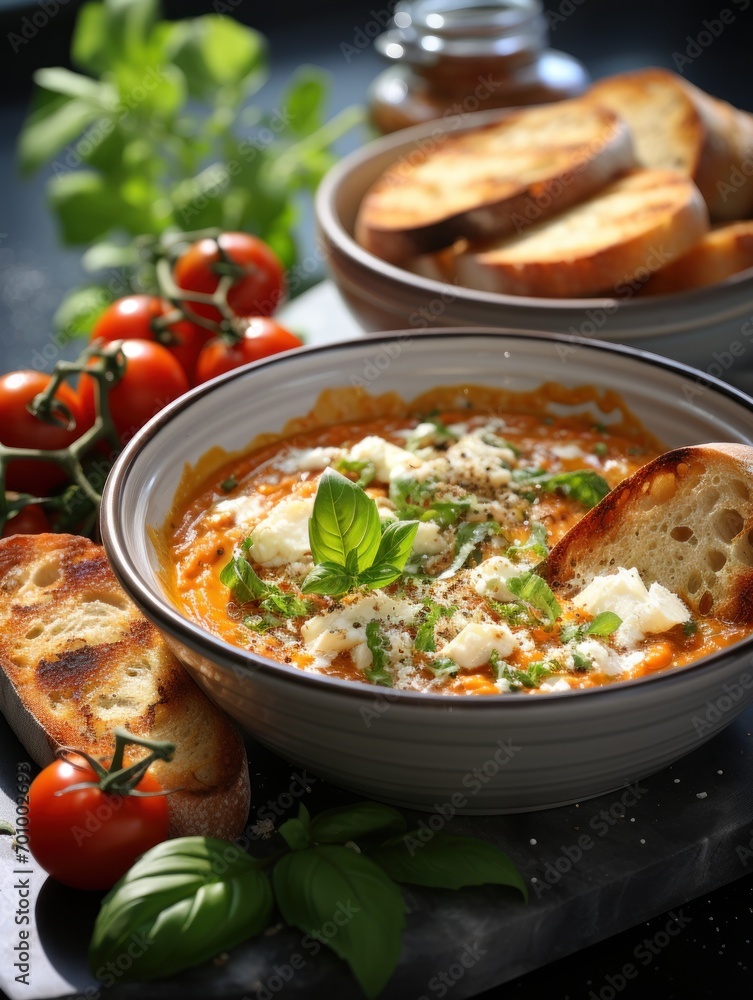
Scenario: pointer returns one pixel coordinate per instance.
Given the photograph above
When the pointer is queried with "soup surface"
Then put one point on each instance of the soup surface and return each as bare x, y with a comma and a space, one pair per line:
401, 549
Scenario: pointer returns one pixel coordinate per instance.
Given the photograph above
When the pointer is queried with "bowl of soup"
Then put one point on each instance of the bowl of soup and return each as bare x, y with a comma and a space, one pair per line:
344, 544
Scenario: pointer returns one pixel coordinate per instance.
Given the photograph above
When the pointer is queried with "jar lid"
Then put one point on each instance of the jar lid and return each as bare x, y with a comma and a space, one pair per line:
425, 30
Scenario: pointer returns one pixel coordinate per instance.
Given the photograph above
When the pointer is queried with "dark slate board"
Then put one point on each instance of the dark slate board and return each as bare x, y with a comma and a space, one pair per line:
677, 835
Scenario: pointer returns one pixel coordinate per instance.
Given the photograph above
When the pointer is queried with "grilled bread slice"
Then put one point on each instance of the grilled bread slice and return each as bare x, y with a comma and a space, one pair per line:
676, 126
634, 226
78, 659
493, 180
722, 252
684, 520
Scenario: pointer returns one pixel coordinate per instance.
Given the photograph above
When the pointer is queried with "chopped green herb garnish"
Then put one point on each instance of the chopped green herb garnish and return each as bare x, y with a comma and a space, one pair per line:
443, 666
603, 624
411, 497
536, 543
366, 470
447, 512
247, 586
469, 535
494, 441
425, 641
601, 449
514, 612
228, 484
378, 644
690, 627
349, 547
581, 663
583, 485
536, 593
529, 678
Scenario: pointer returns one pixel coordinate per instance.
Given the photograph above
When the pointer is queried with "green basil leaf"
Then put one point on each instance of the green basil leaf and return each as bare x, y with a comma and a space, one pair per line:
581, 663
446, 512
183, 902
583, 485
296, 832
425, 641
55, 122
344, 519
63, 81
378, 576
536, 592
286, 604
305, 100
411, 497
604, 624
84, 204
215, 51
537, 543
396, 544
242, 580
79, 310
356, 822
378, 644
690, 627
332, 884
446, 861
328, 578
443, 666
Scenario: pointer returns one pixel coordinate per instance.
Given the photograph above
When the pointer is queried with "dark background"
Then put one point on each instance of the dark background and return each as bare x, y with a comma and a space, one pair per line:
608, 35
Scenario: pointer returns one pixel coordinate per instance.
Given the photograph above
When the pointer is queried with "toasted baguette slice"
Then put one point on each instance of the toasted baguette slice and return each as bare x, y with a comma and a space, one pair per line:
78, 659
718, 255
684, 520
491, 180
676, 126
633, 227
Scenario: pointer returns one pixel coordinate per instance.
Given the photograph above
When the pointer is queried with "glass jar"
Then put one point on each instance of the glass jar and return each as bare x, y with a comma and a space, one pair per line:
452, 56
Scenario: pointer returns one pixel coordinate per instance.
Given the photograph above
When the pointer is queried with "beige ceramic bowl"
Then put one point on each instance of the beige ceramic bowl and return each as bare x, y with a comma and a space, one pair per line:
697, 327
499, 753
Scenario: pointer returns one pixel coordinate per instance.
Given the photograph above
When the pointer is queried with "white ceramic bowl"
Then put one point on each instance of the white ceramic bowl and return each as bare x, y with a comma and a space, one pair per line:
502, 753
693, 327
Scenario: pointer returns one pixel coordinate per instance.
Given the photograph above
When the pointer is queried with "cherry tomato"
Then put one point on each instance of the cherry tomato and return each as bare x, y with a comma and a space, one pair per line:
88, 838
257, 292
153, 378
30, 520
133, 318
19, 429
262, 338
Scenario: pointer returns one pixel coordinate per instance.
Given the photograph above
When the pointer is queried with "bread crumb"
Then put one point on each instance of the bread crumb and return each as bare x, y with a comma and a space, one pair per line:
701, 795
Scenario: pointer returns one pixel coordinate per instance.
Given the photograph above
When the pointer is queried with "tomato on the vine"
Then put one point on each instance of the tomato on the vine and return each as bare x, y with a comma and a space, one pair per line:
20, 429
152, 379
262, 338
29, 520
87, 838
137, 317
257, 290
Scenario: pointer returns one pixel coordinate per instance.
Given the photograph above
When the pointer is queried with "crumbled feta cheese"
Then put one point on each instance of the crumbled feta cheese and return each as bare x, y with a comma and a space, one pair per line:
475, 643
246, 509
283, 536
303, 459
554, 684
385, 457
429, 540
642, 611
567, 451
345, 627
489, 579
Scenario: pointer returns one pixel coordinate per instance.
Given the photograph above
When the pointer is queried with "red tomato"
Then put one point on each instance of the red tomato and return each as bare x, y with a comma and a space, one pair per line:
262, 338
88, 838
133, 318
153, 378
258, 291
30, 520
19, 429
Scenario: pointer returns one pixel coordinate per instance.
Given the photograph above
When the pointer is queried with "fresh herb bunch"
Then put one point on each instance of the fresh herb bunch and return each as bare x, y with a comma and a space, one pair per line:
156, 134
191, 898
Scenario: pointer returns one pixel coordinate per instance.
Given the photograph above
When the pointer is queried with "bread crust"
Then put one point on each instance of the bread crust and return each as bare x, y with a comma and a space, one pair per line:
637, 224
493, 180
684, 520
718, 255
78, 659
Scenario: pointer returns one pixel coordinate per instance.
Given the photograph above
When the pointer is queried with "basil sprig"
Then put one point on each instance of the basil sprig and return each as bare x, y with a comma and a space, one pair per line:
347, 542
537, 594
378, 645
247, 587
603, 624
189, 899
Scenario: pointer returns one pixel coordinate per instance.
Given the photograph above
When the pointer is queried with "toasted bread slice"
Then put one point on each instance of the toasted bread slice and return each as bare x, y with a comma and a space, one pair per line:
493, 180
634, 226
719, 254
676, 126
78, 659
684, 520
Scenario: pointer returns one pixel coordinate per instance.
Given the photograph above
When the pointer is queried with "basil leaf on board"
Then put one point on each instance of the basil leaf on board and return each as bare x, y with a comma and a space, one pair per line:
536, 592
184, 902
296, 832
378, 645
344, 520
362, 819
447, 861
330, 883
